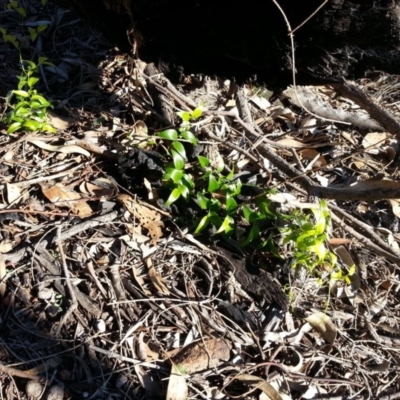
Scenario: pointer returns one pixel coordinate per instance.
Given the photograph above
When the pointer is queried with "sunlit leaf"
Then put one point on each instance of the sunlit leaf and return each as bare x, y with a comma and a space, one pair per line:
184, 115
202, 224
14, 127
176, 175
190, 137
197, 112
227, 225
178, 146
32, 125
204, 161
184, 191
22, 93
175, 194
169, 134
179, 162
231, 204
203, 201
213, 184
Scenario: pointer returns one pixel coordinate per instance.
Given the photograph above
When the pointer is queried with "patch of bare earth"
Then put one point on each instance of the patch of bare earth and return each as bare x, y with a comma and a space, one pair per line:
107, 294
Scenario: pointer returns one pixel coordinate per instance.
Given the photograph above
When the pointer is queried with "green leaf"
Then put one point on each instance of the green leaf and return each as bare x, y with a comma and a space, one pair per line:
32, 125
213, 184
175, 194
22, 112
21, 11
32, 81
231, 205
169, 134
202, 224
253, 235
22, 93
190, 137
42, 28
197, 112
14, 127
176, 175
48, 128
184, 115
33, 33
249, 215
184, 191
203, 201
179, 162
178, 146
227, 225
188, 181
203, 161
3, 31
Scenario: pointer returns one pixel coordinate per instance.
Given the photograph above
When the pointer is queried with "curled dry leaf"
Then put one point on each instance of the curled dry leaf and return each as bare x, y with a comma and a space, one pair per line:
261, 384
147, 217
67, 149
61, 196
323, 324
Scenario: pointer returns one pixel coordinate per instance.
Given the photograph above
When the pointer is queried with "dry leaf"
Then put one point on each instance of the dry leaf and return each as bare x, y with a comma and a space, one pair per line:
261, 384
58, 122
177, 386
373, 141
198, 356
395, 207
323, 324
147, 217
156, 278
13, 193
290, 142
312, 154
60, 196
6, 246
66, 149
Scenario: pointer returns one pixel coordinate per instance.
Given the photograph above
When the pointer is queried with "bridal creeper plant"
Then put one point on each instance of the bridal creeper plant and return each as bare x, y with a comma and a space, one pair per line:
25, 108
303, 234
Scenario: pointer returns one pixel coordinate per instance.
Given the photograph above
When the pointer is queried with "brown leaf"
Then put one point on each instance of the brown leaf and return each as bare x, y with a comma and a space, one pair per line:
156, 278
147, 217
64, 197
198, 356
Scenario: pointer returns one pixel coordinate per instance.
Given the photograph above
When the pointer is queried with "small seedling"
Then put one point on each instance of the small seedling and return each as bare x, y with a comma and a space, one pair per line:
26, 109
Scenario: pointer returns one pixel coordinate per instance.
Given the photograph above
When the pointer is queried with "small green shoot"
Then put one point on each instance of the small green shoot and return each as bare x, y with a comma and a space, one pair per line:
26, 109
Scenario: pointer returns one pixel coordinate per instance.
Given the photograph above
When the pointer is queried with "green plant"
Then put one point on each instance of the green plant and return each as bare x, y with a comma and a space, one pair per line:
308, 233
175, 178
303, 234
26, 109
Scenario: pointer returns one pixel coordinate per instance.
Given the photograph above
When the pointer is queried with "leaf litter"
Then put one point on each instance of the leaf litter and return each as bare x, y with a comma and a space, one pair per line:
104, 296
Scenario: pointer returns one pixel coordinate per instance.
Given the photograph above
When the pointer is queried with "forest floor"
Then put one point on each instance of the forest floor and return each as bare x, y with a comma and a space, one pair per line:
110, 292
